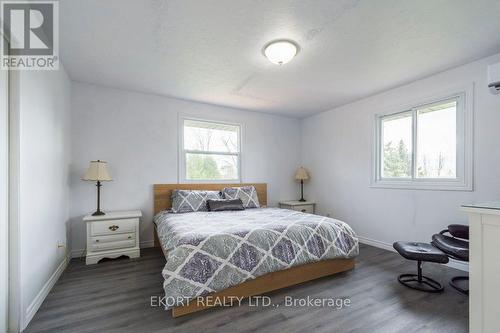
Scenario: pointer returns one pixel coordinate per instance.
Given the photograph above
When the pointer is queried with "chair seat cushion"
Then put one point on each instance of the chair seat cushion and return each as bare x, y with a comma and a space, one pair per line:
456, 248
420, 251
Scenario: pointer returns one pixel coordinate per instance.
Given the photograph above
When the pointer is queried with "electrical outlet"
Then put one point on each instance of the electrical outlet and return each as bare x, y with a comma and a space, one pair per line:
61, 244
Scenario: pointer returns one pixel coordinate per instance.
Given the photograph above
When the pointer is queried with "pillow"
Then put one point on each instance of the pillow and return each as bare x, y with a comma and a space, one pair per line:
218, 205
184, 201
247, 194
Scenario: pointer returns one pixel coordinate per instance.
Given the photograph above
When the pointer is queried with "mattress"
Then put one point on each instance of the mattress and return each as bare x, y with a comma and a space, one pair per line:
208, 252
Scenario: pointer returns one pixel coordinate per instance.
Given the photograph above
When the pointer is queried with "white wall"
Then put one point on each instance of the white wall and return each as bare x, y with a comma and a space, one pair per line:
137, 135
44, 159
337, 147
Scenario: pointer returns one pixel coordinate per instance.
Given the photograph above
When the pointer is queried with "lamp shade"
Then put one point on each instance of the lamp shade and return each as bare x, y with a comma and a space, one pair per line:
301, 174
97, 171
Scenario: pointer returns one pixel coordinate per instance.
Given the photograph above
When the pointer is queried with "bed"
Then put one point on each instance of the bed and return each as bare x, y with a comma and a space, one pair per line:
237, 254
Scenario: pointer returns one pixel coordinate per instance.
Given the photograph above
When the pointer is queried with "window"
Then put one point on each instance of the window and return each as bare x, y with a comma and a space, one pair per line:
425, 147
210, 151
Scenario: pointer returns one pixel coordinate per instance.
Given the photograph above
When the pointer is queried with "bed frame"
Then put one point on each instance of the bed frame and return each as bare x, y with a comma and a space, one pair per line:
261, 284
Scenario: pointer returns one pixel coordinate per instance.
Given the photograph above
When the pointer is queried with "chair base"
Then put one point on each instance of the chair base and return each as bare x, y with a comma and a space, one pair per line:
454, 283
420, 282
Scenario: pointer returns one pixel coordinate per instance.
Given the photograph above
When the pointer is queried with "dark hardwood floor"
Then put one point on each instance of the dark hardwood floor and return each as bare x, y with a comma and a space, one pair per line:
114, 296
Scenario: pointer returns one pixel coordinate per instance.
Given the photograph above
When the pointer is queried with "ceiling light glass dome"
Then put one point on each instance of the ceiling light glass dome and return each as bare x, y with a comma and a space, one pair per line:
280, 52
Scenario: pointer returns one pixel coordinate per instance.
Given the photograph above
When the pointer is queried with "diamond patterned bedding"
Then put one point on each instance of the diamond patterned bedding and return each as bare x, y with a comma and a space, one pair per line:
212, 251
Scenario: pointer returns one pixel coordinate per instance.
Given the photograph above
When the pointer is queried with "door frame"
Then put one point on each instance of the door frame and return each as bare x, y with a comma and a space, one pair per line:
11, 239
4, 204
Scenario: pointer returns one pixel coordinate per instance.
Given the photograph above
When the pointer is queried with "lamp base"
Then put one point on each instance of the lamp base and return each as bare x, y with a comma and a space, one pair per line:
98, 213
302, 191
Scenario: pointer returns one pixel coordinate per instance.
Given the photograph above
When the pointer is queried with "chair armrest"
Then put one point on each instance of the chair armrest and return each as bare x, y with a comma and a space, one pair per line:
459, 231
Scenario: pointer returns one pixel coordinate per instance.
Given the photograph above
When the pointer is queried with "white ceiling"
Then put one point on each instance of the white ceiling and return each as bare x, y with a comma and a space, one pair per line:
211, 50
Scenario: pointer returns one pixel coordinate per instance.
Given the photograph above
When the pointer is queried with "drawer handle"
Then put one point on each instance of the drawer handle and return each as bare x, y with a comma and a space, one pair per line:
129, 237
97, 241
113, 227
303, 210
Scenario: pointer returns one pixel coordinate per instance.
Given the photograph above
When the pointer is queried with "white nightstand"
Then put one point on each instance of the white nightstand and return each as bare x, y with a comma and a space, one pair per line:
301, 206
112, 235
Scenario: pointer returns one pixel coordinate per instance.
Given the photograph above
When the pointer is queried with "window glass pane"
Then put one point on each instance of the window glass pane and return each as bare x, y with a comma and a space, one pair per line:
213, 137
211, 167
437, 141
397, 146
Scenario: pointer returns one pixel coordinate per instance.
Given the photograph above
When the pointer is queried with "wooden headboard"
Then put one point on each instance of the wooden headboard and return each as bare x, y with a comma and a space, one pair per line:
163, 192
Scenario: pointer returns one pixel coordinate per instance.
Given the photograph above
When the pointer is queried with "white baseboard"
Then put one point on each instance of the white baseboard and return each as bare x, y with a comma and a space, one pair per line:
42, 294
463, 266
376, 243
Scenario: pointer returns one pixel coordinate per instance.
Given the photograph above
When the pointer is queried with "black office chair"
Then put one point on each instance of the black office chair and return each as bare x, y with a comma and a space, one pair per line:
456, 247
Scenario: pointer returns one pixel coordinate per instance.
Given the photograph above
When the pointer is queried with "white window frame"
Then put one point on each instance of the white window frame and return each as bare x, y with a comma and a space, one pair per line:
182, 152
464, 179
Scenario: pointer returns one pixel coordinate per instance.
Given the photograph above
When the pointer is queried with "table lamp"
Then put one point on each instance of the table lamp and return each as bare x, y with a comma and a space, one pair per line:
97, 171
301, 175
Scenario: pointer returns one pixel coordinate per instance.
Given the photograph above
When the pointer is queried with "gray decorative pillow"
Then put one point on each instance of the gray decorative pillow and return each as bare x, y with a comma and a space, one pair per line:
185, 201
247, 194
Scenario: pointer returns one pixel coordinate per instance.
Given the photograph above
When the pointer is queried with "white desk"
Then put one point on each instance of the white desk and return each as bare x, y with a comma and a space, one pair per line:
484, 267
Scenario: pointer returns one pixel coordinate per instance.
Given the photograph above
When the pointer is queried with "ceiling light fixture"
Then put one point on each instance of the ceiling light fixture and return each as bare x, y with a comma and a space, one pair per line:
281, 51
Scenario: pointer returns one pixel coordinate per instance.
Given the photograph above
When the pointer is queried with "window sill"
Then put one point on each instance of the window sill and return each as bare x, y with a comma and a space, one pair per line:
423, 185
205, 181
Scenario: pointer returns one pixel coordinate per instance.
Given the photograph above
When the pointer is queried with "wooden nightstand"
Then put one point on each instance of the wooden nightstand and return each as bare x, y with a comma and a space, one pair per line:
301, 206
112, 235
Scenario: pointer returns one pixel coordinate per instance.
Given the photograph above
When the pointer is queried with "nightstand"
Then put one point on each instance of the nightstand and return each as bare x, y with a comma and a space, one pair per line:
301, 206
112, 235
